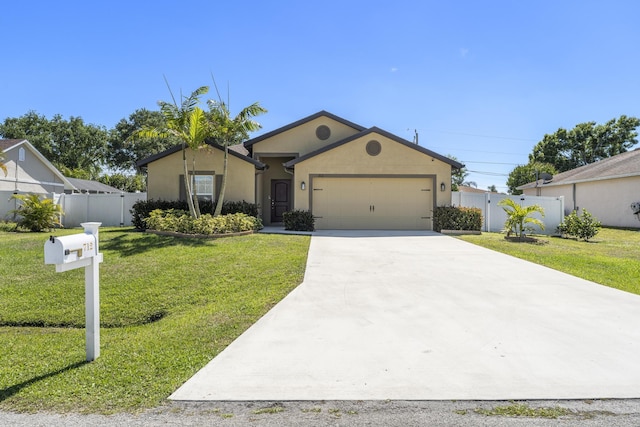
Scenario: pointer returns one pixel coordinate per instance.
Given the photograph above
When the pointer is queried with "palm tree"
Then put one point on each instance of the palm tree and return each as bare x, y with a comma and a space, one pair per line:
189, 124
518, 216
229, 131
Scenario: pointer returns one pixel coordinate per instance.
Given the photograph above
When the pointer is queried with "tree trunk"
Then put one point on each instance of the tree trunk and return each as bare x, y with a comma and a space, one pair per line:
223, 186
187, 185
196, 203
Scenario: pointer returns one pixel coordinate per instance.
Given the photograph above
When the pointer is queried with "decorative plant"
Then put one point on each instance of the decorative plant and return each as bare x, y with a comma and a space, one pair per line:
584, 227
519, 220
37, 214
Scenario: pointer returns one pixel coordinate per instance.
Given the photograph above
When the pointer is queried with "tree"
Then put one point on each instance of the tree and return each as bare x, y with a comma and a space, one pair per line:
227, 131
525, 174
70, 144
586, 143
518, 217
128, 183
122, 154
492, 188
458, 177
188, 123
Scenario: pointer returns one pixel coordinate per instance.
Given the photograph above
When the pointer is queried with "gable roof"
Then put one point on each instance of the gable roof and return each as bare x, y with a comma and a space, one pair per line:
87, 186
378, 131
11, 144
232, 151
6, 144
619, 166
319, 114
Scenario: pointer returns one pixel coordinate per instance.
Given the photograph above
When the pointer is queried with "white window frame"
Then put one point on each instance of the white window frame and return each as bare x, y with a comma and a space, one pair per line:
205, 190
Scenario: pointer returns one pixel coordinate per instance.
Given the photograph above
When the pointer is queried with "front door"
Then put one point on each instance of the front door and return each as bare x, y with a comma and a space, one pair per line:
280, 198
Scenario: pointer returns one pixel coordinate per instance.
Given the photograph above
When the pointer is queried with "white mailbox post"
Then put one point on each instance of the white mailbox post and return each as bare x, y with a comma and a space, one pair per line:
75, 251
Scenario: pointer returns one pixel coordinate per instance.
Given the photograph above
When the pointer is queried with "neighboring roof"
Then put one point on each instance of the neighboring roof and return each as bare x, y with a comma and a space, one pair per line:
619, 166
379, 131
301, 122
232, 150
10, 144
86, 186
468, 189
5, 144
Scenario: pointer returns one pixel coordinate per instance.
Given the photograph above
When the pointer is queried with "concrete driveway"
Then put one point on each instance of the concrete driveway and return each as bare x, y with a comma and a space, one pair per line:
421, 316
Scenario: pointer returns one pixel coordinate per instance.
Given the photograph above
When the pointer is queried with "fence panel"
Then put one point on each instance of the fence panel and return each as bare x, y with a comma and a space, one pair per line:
111, 210
494, 216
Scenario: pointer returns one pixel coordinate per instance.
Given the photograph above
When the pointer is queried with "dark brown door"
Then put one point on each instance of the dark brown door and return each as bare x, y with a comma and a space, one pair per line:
280, 198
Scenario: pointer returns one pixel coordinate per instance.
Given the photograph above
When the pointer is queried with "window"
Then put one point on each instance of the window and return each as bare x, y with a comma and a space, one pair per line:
202, 185
21, 155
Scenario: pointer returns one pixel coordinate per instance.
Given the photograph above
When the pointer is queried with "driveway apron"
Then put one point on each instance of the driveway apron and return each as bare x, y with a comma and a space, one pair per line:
422, 316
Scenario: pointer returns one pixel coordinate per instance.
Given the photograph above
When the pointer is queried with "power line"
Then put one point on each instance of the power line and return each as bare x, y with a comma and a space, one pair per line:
489, 173
491, 163
481, 136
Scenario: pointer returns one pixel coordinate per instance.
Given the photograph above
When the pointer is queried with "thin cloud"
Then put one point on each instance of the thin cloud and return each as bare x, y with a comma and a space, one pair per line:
464, 52
394, 69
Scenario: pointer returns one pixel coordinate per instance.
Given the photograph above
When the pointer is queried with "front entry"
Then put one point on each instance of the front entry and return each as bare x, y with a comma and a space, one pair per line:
280, 198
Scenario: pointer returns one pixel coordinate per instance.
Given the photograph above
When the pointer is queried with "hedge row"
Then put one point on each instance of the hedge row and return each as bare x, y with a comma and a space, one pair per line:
143, 208
298, 220
180, 221
457, 218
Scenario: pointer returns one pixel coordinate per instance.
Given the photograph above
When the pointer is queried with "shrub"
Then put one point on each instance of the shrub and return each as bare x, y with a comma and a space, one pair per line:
298, 220
8, 226
584, 227
179, 221
457, 218
143, 208
37, 214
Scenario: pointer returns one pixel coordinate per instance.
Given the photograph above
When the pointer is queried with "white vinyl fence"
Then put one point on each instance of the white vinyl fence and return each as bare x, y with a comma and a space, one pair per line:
111, 210
494, 216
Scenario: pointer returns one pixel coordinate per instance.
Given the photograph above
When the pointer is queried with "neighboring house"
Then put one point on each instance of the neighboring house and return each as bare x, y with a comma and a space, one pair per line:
348, 176
28, 171
607, 189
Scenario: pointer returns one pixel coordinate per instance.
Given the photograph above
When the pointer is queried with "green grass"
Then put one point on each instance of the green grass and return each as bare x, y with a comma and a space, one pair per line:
523, 410
612, 258
168, 306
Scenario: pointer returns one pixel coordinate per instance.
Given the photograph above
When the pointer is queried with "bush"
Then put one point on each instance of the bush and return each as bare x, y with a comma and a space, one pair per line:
179, 221
457, 218
298, 220
584, 227
143, 208
37, 214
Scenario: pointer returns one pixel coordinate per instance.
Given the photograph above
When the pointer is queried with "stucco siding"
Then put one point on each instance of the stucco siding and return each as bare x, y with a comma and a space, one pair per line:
303, 139
608, 200
352, 159
31, 176
164, 174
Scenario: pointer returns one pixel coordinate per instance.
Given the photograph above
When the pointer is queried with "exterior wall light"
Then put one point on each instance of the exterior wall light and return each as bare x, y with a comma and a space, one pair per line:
303, 185
442, 186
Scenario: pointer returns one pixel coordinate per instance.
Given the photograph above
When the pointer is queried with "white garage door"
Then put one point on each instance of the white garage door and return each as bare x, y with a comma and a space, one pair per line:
372, 203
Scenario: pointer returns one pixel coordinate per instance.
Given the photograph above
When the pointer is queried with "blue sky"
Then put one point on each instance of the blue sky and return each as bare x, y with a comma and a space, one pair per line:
483, 81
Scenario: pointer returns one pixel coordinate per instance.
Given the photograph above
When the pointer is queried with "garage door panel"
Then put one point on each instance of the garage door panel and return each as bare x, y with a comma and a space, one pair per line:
372, 203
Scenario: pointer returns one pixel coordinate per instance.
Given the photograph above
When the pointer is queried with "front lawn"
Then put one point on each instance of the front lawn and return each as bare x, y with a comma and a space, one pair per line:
168, 306
612, 258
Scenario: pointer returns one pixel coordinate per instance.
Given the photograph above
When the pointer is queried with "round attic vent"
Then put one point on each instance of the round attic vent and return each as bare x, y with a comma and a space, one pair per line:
323, 132
373, 148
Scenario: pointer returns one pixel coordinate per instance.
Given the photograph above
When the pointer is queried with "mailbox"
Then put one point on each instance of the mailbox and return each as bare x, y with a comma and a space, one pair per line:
68, 249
